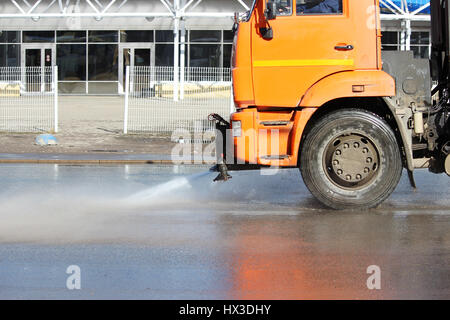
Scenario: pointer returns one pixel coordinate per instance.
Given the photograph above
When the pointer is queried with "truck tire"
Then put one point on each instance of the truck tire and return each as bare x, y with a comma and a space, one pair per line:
350, 159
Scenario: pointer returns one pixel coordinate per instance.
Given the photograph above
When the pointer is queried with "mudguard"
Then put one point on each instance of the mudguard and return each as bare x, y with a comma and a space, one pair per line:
360, 83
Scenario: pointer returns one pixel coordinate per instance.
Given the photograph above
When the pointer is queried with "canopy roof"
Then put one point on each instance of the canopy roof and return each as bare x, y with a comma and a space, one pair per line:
407, 6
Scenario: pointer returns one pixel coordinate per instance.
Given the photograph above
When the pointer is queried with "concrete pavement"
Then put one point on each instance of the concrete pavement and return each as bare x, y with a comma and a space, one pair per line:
90, 125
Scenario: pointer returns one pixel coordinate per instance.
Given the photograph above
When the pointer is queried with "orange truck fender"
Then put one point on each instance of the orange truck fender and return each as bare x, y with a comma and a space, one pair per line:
346, 84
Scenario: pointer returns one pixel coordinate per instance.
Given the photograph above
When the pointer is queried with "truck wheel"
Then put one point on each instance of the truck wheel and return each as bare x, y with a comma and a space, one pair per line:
350, 159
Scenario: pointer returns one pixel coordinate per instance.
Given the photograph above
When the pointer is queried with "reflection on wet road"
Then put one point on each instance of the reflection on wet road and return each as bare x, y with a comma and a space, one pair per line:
163, 232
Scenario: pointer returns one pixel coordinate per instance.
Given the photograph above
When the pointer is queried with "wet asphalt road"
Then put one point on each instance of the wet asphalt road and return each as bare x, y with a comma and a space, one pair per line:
255, 237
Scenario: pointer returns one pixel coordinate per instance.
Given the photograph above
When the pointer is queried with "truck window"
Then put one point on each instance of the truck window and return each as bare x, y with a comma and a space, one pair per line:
284, 7
315, 7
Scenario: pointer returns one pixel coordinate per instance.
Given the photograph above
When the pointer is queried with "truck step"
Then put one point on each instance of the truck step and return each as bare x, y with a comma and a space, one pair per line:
275, 123
275, 157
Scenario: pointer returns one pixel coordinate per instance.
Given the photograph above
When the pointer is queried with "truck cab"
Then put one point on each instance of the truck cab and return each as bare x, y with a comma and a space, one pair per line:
312, 90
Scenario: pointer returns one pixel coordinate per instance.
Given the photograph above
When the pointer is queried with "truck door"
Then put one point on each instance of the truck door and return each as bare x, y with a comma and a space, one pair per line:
308, 44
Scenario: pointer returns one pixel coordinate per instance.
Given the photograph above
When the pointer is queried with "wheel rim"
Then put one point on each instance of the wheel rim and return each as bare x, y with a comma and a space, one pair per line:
351, 161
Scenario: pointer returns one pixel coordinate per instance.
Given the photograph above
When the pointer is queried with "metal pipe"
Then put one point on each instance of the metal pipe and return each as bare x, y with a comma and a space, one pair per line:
127, 93
166, 5
18, 6
243, 4
396, 17
108, 6
87, 15
187, 5
176, 51
182, 58
56, 106
421, 9
92, 6
34, 7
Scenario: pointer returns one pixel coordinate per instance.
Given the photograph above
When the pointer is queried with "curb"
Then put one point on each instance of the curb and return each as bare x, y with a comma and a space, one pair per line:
100, 162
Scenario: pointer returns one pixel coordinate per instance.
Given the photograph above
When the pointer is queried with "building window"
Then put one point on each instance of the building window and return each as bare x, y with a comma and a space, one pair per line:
204, 55
164, 36
103, 36
164, 55
71, 62
420, 42
38, 36
228, 36
71, 36
164, 48
9, 48
71, 57
136, 36
9, 55
103, 60
227, 48
205, 36
390, 41
209, 48
9, 36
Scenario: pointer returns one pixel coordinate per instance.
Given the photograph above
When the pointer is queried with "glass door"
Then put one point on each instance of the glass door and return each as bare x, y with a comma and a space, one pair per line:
139, 55
38, 60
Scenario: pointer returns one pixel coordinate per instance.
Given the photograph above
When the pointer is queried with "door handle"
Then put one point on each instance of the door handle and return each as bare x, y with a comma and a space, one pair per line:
344, 47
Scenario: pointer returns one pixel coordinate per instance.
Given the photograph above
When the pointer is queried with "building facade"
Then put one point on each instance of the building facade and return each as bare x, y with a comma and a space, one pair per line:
92, 41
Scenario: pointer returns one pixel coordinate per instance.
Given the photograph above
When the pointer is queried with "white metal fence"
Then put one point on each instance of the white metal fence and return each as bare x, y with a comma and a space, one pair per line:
28, 99
154, 102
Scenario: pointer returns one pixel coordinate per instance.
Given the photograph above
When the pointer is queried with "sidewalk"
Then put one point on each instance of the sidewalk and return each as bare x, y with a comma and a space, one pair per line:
90, 130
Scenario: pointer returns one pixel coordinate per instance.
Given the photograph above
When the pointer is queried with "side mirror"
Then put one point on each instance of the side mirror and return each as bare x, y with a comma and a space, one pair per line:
271, 10
267, 33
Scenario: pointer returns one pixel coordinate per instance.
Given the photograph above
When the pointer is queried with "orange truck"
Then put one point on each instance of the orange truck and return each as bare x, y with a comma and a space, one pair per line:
313, 91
